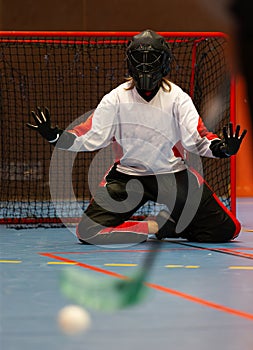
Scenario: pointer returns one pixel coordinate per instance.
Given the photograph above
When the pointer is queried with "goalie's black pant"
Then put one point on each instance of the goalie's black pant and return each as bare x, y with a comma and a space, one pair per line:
199, 214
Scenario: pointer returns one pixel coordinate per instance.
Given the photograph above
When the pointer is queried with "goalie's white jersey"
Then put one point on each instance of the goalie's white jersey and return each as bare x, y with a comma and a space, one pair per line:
147, 133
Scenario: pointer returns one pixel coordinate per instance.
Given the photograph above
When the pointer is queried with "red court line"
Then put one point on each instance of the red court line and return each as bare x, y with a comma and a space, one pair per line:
160, 288
86, 266
124, 251
234, 252
220, 250
202, 301
239, 248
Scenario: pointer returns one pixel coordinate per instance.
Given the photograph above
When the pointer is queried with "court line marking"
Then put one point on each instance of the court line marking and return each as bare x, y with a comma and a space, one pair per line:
218, 250
120, 264
240, 267
160, 288
86, 266
60, 263
235, 253
11, 261
171, 266
125, 251
191, 247
239, 248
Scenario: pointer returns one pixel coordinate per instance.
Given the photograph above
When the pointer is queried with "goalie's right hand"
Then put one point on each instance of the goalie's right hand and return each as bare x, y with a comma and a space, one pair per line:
43, 125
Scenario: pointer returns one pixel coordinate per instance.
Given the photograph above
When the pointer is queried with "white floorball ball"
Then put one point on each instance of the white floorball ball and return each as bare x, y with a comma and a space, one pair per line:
73, 319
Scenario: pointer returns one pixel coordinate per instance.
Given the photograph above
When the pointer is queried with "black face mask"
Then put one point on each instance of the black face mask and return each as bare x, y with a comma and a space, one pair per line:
146, 67
148, 58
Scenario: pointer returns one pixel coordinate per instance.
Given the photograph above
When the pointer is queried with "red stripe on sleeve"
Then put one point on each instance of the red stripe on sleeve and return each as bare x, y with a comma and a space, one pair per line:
82, 128
203, 132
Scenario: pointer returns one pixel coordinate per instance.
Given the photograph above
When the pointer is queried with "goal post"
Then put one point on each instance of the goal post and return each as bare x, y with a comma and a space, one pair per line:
69, 72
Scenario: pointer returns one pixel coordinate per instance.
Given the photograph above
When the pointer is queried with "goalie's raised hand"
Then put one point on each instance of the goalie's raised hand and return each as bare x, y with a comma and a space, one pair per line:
43, 125
232, 139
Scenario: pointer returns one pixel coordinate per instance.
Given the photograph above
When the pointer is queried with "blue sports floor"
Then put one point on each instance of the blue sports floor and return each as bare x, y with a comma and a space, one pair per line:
200, 295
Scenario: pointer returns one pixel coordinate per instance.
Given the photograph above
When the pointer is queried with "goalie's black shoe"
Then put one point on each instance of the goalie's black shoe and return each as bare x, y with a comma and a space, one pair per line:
166, 225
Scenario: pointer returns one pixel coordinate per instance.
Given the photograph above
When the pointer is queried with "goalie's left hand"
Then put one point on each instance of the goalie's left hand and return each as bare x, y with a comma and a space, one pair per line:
232, 140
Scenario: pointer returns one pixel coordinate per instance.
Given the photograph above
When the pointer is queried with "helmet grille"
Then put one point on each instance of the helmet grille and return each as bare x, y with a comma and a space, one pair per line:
146, 60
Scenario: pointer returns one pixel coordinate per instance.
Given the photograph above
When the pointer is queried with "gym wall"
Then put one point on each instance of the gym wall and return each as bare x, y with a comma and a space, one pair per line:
132, 15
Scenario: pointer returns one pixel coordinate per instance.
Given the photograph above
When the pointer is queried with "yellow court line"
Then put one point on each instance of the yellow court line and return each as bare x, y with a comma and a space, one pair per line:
183, 266
11, 261
240, 267
131, 265
60, 263
112, 264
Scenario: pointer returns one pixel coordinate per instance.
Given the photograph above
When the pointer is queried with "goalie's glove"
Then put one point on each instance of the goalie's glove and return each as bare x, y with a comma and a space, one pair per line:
43, 125
232, 141
230, 144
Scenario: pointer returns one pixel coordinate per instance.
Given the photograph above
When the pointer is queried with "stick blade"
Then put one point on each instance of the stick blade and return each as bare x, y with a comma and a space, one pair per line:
102, 294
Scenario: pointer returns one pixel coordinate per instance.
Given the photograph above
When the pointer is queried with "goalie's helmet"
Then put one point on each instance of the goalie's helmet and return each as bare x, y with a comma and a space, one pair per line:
148, 59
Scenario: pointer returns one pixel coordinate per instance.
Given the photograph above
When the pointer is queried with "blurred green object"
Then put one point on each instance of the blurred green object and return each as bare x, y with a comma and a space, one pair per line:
103, 294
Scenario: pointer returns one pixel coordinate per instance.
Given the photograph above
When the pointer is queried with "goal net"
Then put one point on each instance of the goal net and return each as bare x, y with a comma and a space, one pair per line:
69, 73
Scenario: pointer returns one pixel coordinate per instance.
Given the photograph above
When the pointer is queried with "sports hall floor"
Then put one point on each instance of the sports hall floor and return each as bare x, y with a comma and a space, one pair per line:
200, 296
